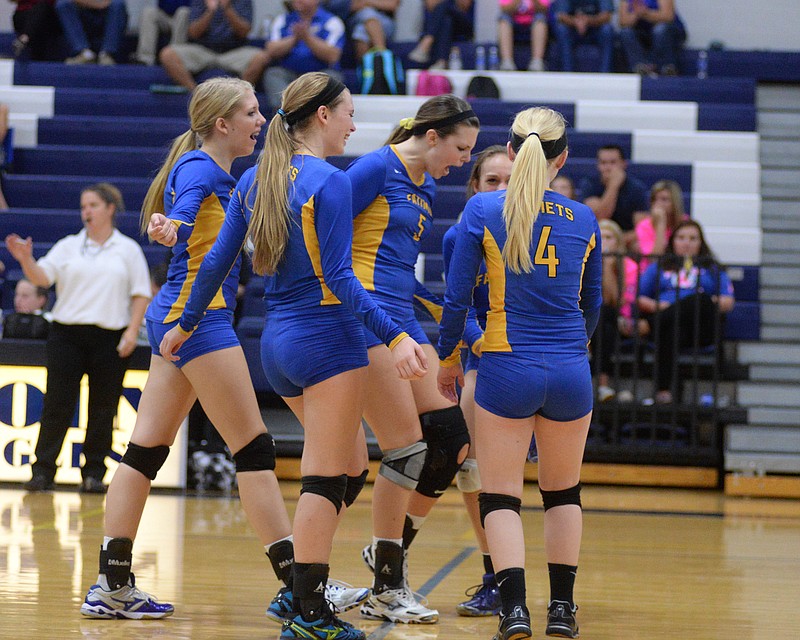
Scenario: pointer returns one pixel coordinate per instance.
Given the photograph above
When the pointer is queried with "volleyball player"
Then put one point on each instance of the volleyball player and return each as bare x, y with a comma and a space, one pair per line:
393, 190
543, 257
297, 211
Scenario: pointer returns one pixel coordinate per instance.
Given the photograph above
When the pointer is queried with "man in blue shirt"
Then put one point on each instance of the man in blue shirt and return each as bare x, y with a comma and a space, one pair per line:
614, 194
584, 22
308, 38
217, 39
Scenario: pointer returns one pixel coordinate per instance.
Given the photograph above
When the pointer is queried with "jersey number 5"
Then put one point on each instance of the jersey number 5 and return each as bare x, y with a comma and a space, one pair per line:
420, 227
546, 253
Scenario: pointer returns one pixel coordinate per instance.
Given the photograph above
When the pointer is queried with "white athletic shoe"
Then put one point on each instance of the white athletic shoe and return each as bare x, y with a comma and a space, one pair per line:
398, 605
343, 596
126, 602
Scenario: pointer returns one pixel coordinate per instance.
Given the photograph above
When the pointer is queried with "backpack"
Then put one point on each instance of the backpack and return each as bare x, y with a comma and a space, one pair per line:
433, 84
30, 326
482, 87
380, 72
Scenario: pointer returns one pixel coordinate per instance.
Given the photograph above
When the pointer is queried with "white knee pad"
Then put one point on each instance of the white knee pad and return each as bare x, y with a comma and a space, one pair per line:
468, 478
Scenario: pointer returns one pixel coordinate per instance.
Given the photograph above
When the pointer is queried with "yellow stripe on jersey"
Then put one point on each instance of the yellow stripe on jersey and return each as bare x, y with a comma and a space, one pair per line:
419, 182
207, 224
312, 247
368, 229
431, 307
496, 336
589, 248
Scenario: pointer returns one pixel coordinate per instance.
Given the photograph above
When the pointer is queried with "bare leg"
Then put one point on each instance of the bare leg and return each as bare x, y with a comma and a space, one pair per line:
175, 68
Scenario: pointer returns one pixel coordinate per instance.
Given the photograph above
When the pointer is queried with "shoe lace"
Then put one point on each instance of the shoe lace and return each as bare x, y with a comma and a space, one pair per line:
477, 589
407, 596
136, 592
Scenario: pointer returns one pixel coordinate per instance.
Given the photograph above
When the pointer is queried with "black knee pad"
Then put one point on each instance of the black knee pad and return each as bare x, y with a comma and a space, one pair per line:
331, 487
488, 502
403, 465
354, 487
146, 460
552, 499
257, 455
445, 431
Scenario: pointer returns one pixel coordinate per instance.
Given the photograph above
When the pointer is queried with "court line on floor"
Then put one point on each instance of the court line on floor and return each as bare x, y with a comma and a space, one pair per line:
382, 631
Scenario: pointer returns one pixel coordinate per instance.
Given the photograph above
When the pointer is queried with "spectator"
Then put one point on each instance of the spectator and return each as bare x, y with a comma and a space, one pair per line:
563, 185
85, 19
620, 278
445, 20
584, 22
29, 319
681, 293
170, 16
103, 289
217, 38
36, 26
371, 22
666, 213
613, 194
307, 38
651, 33
522, 21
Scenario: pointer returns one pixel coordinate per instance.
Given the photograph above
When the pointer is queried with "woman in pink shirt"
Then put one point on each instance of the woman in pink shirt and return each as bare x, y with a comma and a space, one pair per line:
666, 212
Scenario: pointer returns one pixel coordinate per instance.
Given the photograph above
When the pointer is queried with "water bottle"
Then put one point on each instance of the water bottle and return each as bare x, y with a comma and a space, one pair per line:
454, 63
480, 58
494, 58
702, 64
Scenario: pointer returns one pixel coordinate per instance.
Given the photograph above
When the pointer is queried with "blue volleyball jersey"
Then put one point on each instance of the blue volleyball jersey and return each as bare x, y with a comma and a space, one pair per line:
476, 320
542, 310
195, 199
316, 266
391, 215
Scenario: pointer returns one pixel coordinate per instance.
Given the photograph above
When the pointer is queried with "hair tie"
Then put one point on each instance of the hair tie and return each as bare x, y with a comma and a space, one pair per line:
282, 113
551, 148
533, 133
407, 123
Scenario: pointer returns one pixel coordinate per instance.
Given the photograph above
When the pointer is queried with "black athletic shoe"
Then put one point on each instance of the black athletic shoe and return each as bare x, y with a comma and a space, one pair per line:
37, 484
515, 626
561, 620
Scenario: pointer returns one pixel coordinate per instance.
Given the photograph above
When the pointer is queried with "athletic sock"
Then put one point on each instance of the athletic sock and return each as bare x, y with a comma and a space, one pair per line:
511, 583
562, 581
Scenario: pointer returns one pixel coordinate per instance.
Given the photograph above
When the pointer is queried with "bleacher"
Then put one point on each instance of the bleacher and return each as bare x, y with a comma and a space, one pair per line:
77, 125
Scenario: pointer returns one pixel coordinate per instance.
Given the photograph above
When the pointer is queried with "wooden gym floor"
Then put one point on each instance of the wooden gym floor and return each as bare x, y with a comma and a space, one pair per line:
655, 564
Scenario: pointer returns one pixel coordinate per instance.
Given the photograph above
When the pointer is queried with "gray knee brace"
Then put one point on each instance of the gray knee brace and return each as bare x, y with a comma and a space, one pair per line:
404, 465
146, 460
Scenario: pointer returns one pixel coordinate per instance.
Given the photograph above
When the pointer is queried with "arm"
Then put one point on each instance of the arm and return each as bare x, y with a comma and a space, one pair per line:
592, 285
22, 251
240, 25
473, 334
328, 51
627, 17
199, 26
605, 205
127, 343
664, 13
367, 175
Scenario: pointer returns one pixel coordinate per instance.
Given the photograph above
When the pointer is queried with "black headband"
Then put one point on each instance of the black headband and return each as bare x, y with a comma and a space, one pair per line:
420, 129
552, 148
332, 89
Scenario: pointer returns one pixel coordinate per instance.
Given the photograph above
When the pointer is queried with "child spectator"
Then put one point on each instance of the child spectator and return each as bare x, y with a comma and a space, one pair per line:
29, 319
651, 33
520, 21
584, 22
307, 38
445, 21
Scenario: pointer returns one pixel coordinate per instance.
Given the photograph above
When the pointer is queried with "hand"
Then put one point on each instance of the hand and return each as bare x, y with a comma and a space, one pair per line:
171, 342
127, 343
446, 381
301, 30
19, 249
581, 24
659, 217
161, 230
409, 359
212, 5
616, 177
663, 304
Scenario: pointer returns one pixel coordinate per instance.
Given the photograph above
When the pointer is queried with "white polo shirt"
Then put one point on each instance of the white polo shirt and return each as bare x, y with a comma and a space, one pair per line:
95, 282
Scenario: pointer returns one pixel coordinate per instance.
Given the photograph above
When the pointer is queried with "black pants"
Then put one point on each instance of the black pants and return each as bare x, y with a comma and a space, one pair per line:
605, 340
72, 351
40, 23
694, 315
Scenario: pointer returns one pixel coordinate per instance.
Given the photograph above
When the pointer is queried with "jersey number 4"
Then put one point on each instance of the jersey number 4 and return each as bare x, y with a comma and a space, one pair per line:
546, 253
